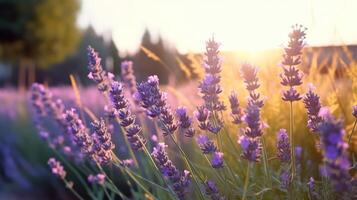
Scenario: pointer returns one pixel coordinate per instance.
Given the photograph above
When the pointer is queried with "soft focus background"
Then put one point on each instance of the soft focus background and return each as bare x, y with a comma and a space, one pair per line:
45, 41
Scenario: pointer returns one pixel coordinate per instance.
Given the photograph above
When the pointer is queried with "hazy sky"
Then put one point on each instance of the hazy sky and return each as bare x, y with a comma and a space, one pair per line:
236, 24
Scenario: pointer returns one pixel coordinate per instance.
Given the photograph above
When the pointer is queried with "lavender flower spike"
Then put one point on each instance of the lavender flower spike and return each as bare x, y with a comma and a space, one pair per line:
56, 168
126, 118
252, 148
252, 119
180, 181
236, 111
283, 146
103, 144
185, 122
127, 75
249, 74
212, 191
97, 179
335, 154
217, 160
291, 76
96, 71
313, 106
206, 145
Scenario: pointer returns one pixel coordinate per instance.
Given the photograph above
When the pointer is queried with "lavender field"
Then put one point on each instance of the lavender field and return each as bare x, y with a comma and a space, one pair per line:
281, 128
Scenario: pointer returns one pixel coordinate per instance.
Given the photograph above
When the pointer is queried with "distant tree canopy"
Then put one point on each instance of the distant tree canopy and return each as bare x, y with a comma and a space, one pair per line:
43, 32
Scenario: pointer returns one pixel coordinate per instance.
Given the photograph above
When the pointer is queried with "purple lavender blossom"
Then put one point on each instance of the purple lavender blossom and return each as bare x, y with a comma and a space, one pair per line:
206, 145
252, 148
313, 106
126, 118
335, 155
79, 131
217, 160
210, 87
127, 163
236, 111
180, 181
185, 122
291, 76
96, 71
102, 142
97, 179
285, 179
212, 191
202, 115
283, 146
312, 190
155, 103
127, 76
252, 119
354, 113
56, 168
249, 74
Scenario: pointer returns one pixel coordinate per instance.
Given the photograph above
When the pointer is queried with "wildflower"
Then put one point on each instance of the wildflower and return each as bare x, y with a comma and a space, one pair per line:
354, 113
312, 190
202, 115
79, 131
285, 179
97, 179
291, 76
249, 74
96, 71
102, 142
127, 163
236, 111
251, 147
212, 191
126, 118
335, 155
252, 119
56, 168
209, 87
217, 160
206, 145
313, 106
283, 146
185, 122
127, 76
180, 181
155, 103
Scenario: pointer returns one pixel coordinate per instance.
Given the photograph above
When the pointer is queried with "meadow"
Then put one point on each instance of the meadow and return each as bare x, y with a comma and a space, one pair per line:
268, 126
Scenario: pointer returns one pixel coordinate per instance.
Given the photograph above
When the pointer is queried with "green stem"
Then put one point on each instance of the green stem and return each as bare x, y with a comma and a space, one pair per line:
246, 182
265, 162
292, 149
73, 190
191, 168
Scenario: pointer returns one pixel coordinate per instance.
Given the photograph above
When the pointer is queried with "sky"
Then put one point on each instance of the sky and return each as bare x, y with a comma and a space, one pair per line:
248, 25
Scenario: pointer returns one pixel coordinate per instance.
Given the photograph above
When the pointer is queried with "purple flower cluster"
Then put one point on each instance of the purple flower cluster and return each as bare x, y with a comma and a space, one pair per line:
126, 118
249, 74
185, 122
46, 106
127, 76
312, 189
96, 179
251, 147
56, 168
79, 131
335, 154
180, 181
236, 110
96, 72
252, 119
212, 191
283, 146
206, 145
313, 106
291, 76
102, 142
155, 103
285, 179
210, 87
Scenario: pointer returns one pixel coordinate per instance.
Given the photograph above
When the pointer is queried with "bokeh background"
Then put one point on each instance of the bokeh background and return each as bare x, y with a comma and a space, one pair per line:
45, 41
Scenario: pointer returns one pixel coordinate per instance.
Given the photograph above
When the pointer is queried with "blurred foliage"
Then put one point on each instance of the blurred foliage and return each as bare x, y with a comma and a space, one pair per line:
42, 32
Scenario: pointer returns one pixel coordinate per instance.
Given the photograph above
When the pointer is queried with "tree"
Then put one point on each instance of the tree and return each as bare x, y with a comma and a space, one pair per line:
37, 32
